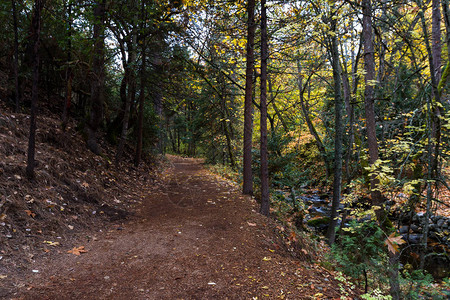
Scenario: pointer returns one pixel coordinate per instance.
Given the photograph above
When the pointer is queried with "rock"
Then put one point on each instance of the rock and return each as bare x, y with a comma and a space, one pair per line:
440, 223
415, 228
403, 229
414, 238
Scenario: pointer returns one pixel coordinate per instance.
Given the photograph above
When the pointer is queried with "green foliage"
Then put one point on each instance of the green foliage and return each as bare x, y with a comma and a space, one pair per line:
360, 252
420, 285
376, 294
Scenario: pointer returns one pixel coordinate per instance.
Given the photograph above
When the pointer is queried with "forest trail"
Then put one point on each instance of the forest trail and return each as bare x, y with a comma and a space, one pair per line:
196, 237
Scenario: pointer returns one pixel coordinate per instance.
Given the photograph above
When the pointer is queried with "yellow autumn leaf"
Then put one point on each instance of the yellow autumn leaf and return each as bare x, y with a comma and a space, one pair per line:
51, 243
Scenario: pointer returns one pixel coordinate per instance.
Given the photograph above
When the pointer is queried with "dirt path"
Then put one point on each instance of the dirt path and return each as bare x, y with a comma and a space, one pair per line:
195, 238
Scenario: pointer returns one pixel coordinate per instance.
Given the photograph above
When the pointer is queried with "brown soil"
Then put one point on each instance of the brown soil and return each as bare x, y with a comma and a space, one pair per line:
194, 237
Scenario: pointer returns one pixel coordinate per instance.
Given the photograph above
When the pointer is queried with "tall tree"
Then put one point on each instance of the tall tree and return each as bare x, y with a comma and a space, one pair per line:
69, 73
16, 56
265, 201
436, 38
248, 108
129, 79
369, 93
98, 76
140, 129
434, 115
339, 126
36, 30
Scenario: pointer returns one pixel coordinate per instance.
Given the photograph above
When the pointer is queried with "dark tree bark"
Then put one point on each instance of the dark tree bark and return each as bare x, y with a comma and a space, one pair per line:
36, 30
339, 133
130, 81
377, 200
434, 120
265, 201
16, 57
369, 96
98, 77
69, 75
436, 47
138, 154
446, 17
140, 131
248, 109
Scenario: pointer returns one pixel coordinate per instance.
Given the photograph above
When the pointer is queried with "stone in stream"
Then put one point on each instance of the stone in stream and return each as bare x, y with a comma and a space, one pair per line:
403, 229
415, 228
413, 238
440, 223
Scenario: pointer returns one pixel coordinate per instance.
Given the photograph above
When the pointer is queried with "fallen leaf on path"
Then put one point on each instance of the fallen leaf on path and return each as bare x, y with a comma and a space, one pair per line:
265, 287
77, 250
54, 244
3, 276
30, 213
251, 224
266, 258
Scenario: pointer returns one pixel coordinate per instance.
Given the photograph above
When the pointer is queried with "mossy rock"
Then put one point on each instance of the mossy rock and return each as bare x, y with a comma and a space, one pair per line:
319, 222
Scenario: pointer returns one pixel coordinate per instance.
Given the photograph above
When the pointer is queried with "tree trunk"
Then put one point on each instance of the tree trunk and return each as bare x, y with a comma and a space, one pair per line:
138, 154
312, 129
369, 95
98, 77
137, 158
36, 30
339, 133
130, 80
436, 47
248, 109
16, 57
265, 204
69, 75
377, 200
434, 137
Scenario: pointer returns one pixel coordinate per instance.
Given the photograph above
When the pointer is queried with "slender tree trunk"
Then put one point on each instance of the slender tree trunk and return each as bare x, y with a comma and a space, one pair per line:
248, 109
339, 133
436, 47
369, 96
140, 132
16, 57
69, 75
158, 106
130, 80
98, 77
446, 16
265, 201
312, 129
350, 113
434, 138
36, 30
377, 200
138, 154
274, 105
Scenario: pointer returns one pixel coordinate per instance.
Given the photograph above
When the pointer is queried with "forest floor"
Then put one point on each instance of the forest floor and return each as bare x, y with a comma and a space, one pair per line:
194, 236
